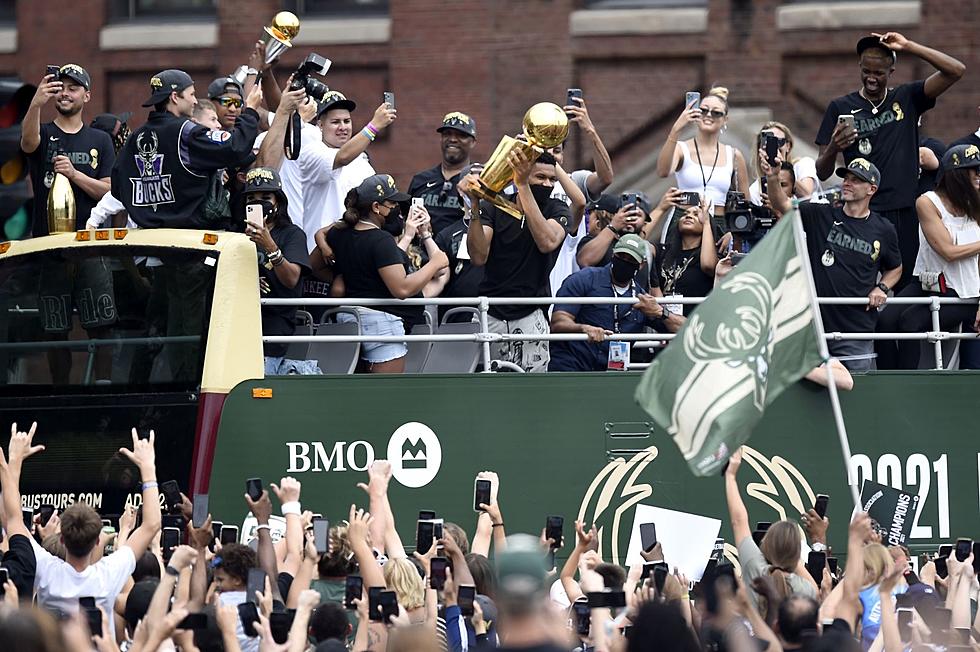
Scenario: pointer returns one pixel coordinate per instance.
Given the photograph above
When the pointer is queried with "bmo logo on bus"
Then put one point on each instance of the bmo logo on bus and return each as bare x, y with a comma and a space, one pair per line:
413, 450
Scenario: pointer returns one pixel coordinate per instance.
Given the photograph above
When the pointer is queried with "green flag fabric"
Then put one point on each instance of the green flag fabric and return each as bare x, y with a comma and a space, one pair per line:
752, 337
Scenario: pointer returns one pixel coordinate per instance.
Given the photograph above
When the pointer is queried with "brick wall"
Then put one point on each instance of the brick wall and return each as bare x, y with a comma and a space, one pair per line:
495, 59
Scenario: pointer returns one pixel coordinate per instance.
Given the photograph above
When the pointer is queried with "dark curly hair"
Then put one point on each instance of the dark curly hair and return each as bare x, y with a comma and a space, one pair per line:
236, 560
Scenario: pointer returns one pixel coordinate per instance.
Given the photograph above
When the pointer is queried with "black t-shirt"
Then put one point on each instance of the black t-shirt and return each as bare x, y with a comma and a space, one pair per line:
464, 276
443, 202
928, 178
21, 565
889, 139
972, 139
515, 266
359, 255
281, 320
681, 274
90, 151
846, 254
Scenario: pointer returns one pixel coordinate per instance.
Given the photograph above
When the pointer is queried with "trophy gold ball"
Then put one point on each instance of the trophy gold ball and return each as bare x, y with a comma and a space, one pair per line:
278, 36
545, 125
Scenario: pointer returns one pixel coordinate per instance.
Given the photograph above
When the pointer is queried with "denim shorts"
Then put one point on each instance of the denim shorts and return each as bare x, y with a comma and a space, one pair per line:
375, 322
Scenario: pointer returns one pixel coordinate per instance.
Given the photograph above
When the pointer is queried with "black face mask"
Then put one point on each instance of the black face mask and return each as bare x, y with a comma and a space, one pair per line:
624, 271
541, 195
268, 208
394, 224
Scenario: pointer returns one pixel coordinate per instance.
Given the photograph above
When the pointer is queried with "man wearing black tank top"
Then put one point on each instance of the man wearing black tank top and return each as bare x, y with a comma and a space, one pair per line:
886, 130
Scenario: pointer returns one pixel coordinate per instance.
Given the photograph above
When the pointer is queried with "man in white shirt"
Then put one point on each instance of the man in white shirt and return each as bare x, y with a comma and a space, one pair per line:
59, 584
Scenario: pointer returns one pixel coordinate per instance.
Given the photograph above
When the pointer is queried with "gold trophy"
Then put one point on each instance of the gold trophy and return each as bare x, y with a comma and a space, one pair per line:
61, 205
278, 36
545, 126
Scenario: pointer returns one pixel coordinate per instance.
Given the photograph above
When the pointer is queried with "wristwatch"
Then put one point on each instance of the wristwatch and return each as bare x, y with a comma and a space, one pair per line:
884, 288
818, 547
666, 312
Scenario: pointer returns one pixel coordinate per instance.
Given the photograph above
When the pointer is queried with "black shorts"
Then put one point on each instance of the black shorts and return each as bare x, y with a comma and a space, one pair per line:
86, 285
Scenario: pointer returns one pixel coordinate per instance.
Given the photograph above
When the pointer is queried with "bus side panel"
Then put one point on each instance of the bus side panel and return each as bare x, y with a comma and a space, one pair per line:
206, 435
578, 445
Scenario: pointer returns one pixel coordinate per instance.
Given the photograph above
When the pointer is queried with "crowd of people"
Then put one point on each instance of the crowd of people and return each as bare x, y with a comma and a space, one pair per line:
327, 224
169, 578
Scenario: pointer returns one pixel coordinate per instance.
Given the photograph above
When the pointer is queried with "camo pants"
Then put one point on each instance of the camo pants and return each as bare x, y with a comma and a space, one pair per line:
529, 356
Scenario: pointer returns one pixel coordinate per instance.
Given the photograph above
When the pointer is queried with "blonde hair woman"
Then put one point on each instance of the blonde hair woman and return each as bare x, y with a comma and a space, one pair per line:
804, 167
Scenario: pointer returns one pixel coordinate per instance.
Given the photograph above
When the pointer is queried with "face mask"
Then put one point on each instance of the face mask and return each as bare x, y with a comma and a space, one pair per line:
623, 271
394, 224
268, 209
541, 194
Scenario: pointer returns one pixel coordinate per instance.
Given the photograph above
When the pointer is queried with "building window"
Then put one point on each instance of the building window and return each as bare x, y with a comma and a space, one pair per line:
8, 11
336, 7
169, 9
642, 4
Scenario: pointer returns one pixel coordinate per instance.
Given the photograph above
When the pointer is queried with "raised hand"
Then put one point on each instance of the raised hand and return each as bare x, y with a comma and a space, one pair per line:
288, 489
261, 508
892, 40
358, 527
384, 115
21, 444
379, 473
143, 455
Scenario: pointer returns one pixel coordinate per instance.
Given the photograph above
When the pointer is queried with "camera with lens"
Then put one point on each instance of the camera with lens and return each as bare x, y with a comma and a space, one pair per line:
741, 216
312, 64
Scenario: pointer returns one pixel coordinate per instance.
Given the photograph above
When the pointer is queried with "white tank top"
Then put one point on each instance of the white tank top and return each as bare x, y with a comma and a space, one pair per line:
961, 275
692, 177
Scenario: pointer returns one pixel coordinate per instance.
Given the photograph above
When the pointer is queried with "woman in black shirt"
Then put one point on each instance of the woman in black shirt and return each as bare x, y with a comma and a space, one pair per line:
373, 266
686, 263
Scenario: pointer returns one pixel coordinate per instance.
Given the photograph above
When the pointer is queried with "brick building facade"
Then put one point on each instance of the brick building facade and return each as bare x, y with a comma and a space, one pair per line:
494, 58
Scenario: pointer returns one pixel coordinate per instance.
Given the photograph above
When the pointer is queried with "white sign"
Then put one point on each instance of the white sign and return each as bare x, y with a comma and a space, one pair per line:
686, 539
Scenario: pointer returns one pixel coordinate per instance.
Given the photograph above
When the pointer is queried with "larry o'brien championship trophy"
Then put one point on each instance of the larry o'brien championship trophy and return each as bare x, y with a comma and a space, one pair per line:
545, 126
279, 35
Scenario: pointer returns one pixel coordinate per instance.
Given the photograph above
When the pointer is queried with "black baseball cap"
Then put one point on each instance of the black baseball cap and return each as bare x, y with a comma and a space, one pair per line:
262, 179
223, 86
379, 187
961, 156
607, 203
107, 121
166, 82
863, 169
869, 42
334, 100
75, 72
460, 122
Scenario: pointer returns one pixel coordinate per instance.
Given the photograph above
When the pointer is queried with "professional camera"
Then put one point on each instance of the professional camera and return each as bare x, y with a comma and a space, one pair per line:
741, 216
312, 64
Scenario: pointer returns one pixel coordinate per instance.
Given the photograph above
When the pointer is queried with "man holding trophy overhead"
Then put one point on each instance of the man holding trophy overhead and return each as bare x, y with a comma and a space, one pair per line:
517, 238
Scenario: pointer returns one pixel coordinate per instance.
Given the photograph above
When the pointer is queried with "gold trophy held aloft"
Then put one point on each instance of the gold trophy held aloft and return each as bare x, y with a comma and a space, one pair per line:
545, 126
61, 205
278, 36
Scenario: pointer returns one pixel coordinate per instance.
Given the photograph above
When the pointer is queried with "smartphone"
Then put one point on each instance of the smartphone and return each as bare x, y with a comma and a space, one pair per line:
93, 616
28, 516
904, 624
572, 94
762, 526
374, 603
464, 598
757, 537
846, 120
660, 577
606, 599
321, 535
481, 494
648, 536
771, 145
194, 621
424, 535
437, 572
389, 99
279, 623
627, 199
820, 505
171, 495
229, 534
418, 201
583, 618
832, 564
963, 549
389, 605
200, 516
4, 576
253, 486
692, 99
248, 613
736, 258
353, 590
52, 70
437, 532
169, 541
692, 198
941, 568
553, 528
427, 514
216, 530
256, 584
815, 564
46, 512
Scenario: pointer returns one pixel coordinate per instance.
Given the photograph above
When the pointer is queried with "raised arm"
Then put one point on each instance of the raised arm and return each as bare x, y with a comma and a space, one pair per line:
384, 536
949, 70
583, 542
358, 144
575, 195
288, 492
21, 448
478, 235
262, 509
143, 456
548, 234
30, 131
670, 157
271, 151
602, 178
357, 535
736, 508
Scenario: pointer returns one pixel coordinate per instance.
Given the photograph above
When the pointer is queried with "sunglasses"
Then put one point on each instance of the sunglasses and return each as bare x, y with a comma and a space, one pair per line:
714, 113
230, 101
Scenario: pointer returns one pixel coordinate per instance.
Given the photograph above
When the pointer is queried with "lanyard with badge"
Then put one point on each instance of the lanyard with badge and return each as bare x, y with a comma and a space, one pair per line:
619, 351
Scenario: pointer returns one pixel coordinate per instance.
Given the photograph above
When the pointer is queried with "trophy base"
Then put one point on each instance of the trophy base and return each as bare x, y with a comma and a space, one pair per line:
498, 200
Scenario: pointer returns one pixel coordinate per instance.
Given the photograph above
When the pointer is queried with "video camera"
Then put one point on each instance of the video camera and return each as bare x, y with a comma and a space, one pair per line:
742, 217
315, 90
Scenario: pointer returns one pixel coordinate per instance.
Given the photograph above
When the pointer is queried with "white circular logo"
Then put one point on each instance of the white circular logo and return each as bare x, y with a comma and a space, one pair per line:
415, 454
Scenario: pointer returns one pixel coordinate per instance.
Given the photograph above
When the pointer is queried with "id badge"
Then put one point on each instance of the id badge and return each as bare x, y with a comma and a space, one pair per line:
463, 253
676, 308
619, 356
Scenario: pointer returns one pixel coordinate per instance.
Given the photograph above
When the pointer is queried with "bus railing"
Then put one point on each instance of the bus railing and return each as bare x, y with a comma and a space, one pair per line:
935, 335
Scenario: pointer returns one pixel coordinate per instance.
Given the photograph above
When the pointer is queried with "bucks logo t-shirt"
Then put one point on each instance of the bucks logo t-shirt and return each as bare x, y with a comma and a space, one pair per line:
90, 151
888, 136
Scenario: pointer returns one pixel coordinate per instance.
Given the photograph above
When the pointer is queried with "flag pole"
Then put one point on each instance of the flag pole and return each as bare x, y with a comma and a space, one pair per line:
845, 445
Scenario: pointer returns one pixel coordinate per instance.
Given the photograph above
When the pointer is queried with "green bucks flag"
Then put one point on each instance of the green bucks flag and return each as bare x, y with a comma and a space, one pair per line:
753, 336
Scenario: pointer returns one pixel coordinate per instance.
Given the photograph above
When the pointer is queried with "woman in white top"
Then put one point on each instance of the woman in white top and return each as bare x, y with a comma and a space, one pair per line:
703, 164
804, 167
947, 263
